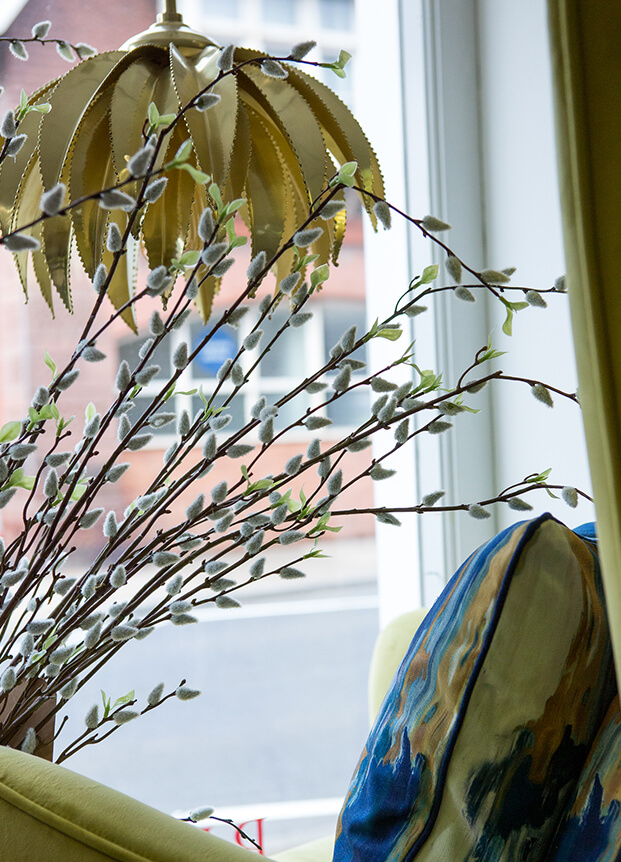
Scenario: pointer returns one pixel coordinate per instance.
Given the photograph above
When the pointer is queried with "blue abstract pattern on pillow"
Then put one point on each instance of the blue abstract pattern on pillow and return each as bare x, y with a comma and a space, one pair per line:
488, 721
591, 829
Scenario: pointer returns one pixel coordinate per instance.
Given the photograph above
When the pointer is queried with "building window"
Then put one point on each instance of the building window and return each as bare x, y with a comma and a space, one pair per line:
336, 14
224, 8
280, 11
296, 354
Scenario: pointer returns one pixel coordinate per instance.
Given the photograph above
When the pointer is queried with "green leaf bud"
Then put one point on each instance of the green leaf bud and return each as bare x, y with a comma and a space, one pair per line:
291, 536
377, 473
478, 512
359, 445
569, 495
300, 318
383, 214
114, 238
52, 200
155, 190
273, 69
40, 30
434, 225
542, 393
89, 519
21, 242
331, 209
494, 276
464, 294
290, 282
378, 384
206, 101
225, 58
314, 423
535, 299
115, 199
123, 632
439, 427
432, 499
91, 719
155, 695
301, 49
200, 814
388, 518
289, 573
304, 238
453, 267
18, 49
519, 505
226, 602
123, 716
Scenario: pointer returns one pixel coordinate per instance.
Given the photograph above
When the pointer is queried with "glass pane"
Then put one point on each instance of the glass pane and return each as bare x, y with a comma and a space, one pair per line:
280, 11
222, 8
337, 14
338, 317
286, 356
128, 350
221, 346
235, 408
142, 402
277, 49
289, 412
352, 409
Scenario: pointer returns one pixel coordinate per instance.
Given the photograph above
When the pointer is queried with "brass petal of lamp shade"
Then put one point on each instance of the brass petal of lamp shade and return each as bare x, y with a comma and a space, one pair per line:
274, 142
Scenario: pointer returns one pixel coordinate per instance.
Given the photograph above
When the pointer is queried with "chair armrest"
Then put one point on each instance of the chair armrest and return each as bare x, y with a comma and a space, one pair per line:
48, 812
320, 850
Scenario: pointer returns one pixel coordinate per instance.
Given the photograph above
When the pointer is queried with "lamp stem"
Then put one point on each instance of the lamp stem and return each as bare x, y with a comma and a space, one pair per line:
170, 12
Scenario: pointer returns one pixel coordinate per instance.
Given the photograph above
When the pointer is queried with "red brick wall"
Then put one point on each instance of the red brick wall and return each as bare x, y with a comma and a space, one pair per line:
82, 21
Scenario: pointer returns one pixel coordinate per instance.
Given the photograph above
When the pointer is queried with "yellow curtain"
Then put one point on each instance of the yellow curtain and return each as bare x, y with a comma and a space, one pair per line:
586, 56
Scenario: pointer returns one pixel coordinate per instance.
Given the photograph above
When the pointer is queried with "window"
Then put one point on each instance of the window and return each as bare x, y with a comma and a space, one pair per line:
336, 14
295, 354
353, 408
280, 11
224, 8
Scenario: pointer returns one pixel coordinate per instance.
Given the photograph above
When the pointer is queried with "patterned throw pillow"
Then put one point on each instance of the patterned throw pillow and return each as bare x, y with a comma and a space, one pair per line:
485, 729
591, 828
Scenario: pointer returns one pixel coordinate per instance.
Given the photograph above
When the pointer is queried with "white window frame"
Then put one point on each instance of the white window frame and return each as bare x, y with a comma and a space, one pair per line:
466, 131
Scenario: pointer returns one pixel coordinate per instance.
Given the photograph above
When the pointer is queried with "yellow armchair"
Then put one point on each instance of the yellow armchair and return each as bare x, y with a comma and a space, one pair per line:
51, 814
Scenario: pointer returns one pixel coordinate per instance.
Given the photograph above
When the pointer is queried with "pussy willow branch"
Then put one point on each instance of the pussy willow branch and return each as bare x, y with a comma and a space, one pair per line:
90, 736
229, 822
242, 834
461, 507
57, 537
431, 291
418, 223
44, 41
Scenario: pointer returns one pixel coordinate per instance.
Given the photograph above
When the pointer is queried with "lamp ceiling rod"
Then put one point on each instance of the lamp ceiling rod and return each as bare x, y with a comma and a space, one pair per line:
170, 12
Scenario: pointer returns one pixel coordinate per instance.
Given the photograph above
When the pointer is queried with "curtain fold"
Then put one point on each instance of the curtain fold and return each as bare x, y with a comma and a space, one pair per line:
586, 58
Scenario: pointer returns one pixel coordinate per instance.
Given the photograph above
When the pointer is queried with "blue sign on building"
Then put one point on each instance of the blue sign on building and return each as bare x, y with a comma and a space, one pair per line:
221, 346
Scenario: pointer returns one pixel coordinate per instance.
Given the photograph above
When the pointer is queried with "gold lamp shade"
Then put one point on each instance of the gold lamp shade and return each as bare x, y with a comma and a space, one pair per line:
274, 142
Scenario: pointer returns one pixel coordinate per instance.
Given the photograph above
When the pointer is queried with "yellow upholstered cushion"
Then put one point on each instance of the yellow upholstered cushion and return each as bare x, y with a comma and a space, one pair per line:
50, 814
